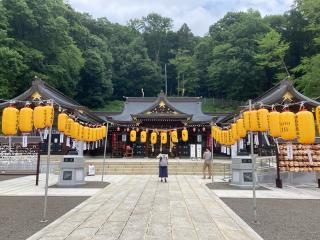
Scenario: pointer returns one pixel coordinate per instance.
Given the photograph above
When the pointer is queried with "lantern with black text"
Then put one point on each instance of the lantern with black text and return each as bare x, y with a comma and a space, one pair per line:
74, 130
185, 135
263, 125
133, 135
287, 126
26, 119
62, 121
174, 136
240, 128
143, 136
10, 117
104, 131
246, 120
68, 126
305, 127
153, 138
274, 124
81, 133
49, 115
86, 134
318, 118
39, 117
164, 138
234, 132
253, 120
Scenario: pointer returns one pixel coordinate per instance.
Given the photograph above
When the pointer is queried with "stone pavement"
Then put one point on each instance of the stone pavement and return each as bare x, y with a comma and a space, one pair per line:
141, 207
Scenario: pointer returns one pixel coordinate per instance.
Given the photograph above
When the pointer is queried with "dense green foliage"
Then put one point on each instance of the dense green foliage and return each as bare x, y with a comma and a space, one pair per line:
96, 61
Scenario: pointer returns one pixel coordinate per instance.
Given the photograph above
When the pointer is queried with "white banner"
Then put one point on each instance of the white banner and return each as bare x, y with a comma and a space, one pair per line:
68, 142
24, 141
192, 151
61, 137
45, 133
289, 151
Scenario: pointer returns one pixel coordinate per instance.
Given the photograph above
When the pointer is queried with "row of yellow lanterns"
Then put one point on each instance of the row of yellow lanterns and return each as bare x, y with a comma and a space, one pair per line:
286, 125
26, 119
78, 131
163, 136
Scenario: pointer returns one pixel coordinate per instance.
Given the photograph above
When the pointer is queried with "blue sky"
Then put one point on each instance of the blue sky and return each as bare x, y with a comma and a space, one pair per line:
198, 14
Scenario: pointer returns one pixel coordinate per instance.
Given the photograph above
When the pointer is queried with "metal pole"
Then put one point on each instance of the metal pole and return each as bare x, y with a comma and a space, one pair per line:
253, 158
44, 217
212, 179
38, 164
105, 150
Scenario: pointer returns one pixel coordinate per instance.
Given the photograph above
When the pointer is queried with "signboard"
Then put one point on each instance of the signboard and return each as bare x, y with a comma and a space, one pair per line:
192, 151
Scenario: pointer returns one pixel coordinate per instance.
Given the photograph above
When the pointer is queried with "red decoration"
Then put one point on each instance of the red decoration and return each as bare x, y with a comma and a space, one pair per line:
194, 129
118, 129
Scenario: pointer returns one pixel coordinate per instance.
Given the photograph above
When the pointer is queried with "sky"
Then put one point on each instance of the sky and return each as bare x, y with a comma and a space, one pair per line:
198, 14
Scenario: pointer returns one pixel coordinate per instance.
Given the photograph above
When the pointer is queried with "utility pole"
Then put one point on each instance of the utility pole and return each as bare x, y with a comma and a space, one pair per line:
165, 77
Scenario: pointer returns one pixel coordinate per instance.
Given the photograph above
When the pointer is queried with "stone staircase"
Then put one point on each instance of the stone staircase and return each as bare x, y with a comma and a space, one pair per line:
152, 167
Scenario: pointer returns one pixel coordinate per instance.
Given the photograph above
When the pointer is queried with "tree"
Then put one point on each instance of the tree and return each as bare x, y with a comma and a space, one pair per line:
272, 51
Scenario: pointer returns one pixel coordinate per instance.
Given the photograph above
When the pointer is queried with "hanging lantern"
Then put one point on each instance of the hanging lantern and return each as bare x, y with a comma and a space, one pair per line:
39, 117
213, 131
274, 124
185, 135
174, 136
67, 130
74, 130
10, 117
62, 120
86, 134
203, 129
104, 131
164, 137
118, 129
253, 120
246, 120
128, 129
241, 129
194, 129
219, 135
49, 115
305, 127
143, 136
133, 135
231, 140
263, 120
287, 126
234, 132
224, 137
81, 133
91, 134
137, 129
318, 118
153, 138
26, 119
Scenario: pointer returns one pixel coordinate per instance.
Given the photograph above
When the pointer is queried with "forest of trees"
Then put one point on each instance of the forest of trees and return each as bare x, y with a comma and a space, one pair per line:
95, 61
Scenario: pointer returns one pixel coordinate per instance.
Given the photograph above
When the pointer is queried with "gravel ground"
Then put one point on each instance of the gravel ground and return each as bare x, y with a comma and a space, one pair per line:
281, 219
20, 216
4, 177
89, 184
227, 186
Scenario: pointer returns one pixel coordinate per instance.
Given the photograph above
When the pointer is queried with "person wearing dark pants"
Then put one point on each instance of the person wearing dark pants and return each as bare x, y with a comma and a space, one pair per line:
163, 168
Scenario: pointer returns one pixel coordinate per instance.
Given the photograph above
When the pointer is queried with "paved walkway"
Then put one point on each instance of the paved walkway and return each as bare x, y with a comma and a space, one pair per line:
141, 207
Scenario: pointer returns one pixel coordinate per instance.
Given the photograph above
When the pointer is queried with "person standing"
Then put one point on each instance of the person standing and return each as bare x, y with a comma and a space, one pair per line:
163, 168
207, 163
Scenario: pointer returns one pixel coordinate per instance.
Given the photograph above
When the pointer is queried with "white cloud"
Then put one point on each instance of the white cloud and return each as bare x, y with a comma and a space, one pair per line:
198, 14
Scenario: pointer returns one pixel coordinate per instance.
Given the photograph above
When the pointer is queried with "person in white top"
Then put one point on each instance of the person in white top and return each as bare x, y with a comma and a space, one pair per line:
163, 168
207, 163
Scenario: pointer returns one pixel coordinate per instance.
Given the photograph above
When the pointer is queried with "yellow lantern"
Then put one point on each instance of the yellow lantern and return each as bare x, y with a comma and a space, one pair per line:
174, 136
263, 120
246, 120
185, 135
133, 135
92, 134
231, 140
86, 134
240, 128
67, 130
10, 117
26, 120
62, 121
218, 135
143, 136
274, 124
318, 118
100, 131
49, 115
234, 132
287, 126
224, 137
81, 133
164, 138
253, 117
104, 131
153, 137
306, 133
74, 130
39, 117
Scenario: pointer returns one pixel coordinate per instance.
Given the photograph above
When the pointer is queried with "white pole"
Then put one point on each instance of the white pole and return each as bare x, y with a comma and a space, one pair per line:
253, 158
105, 150
44, 217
